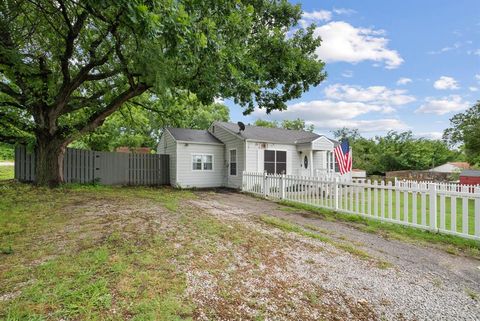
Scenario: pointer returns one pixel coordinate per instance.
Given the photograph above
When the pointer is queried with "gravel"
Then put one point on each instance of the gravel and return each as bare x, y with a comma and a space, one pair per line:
422, 284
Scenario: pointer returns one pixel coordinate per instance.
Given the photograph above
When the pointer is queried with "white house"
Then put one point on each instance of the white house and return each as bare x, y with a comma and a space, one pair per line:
218, 156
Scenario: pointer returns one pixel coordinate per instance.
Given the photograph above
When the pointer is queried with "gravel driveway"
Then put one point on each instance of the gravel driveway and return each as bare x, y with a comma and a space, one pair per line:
418, 283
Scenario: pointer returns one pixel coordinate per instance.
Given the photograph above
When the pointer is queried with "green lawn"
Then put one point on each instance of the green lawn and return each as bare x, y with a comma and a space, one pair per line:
6, 172
361, 205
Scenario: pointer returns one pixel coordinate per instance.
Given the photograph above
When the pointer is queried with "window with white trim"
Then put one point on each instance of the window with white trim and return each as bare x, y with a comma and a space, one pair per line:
233, 162
202, 162
275, 161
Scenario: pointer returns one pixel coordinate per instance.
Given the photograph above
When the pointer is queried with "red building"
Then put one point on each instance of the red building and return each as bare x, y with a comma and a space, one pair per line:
470, 177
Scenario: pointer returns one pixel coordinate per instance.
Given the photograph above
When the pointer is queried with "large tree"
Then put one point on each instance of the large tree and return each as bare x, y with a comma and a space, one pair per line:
465, 131
66, 65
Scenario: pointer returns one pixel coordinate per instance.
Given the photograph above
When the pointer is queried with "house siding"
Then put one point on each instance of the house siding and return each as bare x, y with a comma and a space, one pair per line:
187, 177
322, 143
168, 145
255, 156
231, 141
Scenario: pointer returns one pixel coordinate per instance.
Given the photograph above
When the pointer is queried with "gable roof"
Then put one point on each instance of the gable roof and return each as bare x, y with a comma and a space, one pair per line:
193, 135
274, 135
470, 173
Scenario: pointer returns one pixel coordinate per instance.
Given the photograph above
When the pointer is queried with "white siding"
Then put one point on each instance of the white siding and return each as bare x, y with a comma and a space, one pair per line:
231, 141
187, 177
319, 160
322, 143
168, 146
255, 156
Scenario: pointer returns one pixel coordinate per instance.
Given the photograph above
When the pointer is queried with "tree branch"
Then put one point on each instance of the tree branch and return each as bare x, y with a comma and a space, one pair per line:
99, 117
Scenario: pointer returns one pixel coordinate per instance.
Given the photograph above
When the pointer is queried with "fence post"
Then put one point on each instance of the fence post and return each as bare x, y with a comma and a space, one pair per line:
335, 191
433, 206
476, 220
265, 184
282, 186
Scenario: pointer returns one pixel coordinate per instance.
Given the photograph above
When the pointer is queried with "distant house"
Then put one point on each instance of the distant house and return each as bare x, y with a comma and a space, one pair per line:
218, 156
133, 150
359, 173
452, 167
470, 177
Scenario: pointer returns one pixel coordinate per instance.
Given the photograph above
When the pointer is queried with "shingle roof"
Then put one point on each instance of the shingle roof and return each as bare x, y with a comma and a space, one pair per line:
470, 172
193, 135
275, 135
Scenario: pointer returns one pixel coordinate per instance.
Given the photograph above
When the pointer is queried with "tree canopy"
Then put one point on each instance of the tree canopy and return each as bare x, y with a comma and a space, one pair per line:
465, 131
396, 151
139, 123
295, 124
66, 65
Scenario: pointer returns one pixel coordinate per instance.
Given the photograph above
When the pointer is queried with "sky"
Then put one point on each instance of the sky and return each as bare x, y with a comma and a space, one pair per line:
392, 65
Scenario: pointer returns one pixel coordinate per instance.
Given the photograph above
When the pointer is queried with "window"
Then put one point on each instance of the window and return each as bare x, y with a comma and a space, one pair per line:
275, 161
233, 162
305, 162
202, 162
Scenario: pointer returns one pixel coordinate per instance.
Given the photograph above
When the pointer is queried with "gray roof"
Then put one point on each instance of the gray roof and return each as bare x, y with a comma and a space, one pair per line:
193, 135
275, 135
470, 172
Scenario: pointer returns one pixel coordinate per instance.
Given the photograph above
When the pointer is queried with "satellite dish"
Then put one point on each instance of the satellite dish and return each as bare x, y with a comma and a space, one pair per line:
241, 126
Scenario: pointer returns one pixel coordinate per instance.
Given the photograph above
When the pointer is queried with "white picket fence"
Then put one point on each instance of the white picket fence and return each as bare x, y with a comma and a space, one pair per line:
422, 205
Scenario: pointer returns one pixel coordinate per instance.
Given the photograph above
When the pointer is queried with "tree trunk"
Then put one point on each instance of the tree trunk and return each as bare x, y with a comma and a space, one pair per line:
49, 154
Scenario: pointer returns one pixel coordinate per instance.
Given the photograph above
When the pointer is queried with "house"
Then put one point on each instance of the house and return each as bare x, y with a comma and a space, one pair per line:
470, 177
452, 167
217, 157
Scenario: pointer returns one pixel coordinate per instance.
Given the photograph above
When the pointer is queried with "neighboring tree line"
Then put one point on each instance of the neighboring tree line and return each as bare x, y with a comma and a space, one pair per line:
396, 151
464, 133
295, 124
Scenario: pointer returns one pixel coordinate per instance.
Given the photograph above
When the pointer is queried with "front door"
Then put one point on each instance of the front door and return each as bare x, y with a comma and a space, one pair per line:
305, 164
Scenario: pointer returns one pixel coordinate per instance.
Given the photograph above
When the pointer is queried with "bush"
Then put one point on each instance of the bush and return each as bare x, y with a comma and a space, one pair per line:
6, 152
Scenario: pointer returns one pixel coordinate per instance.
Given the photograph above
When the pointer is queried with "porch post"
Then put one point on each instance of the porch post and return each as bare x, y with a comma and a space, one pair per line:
311, 163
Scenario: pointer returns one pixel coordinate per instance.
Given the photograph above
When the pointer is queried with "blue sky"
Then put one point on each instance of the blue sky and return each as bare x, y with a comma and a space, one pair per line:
392, 65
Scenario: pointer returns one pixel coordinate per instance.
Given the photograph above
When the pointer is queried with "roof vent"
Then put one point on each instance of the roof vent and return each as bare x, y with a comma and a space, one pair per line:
241, 126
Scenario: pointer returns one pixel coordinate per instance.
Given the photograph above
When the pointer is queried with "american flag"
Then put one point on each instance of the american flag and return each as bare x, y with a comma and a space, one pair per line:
343, 157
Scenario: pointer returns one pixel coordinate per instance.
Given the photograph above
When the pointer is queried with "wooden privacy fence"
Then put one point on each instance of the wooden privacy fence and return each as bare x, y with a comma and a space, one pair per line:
84, 166
419, 205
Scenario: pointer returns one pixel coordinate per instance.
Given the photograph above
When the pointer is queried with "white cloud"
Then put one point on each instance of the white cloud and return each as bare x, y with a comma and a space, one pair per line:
403, 81
379, 95
344, 11
477, 77
347, 74
343, 42
443, 105
474, 52
473, 89
445, 82
430, 135
329, 114
321, 15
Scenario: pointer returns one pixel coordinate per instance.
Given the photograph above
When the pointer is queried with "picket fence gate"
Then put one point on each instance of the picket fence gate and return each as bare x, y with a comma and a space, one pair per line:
421, 205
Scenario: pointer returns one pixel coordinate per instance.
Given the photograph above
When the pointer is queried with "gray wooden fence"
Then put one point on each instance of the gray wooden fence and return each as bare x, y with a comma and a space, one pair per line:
84, 166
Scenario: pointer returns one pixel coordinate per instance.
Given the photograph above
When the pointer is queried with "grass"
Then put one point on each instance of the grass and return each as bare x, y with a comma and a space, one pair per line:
410, 234
57, 262
6, 172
